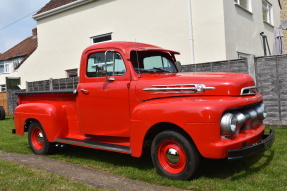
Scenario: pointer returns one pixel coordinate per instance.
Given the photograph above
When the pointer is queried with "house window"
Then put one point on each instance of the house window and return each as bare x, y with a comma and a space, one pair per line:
4, 67
101, 38
16, 62
72, 73
244, 4
1, 67
3, 88
267, 11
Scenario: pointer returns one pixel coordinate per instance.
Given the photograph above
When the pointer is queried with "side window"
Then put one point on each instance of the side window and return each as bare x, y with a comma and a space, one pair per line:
97, 67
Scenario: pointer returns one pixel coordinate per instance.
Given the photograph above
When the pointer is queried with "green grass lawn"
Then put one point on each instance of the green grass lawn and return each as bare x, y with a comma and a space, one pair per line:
263, 172
18, 177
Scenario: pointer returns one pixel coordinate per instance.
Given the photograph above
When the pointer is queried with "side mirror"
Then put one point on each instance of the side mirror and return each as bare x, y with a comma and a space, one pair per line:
178, 65
106, 65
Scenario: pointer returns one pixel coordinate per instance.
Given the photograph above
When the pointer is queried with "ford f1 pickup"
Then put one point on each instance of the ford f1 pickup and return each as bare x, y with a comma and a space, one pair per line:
132, 95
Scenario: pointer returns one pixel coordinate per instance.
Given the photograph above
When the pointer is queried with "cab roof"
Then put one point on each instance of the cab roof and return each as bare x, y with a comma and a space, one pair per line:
127, 47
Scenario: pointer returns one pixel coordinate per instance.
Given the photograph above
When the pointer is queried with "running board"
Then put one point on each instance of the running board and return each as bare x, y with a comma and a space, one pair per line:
95, 145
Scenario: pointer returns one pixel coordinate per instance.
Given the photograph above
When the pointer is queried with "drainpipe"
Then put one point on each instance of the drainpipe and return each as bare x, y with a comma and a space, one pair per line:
190, 31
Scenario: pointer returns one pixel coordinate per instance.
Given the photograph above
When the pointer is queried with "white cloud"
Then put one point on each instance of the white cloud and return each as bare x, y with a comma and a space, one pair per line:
11, 11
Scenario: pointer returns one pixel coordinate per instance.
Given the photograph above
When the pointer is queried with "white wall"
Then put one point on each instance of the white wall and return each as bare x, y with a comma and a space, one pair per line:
62, 37
208, 30
220, 30
242, 28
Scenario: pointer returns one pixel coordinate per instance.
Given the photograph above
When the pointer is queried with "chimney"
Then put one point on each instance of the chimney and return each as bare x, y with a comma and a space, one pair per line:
34, 32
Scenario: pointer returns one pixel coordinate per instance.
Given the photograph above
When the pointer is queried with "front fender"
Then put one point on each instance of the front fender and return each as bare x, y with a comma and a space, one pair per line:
177, 111
52, 117
180, 111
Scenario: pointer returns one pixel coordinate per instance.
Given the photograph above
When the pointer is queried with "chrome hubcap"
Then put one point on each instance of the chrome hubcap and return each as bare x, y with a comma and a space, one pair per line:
40, 137
172, 156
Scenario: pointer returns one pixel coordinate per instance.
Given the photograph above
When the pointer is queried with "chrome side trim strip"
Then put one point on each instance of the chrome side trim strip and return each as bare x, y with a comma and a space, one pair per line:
180, 88
95, 145
168, 89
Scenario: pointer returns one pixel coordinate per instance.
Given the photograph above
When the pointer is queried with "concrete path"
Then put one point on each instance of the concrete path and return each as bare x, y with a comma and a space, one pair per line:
88, 176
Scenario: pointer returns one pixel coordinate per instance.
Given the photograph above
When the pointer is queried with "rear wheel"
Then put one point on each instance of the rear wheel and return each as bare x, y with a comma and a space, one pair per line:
38, 140
2, 113
174, 156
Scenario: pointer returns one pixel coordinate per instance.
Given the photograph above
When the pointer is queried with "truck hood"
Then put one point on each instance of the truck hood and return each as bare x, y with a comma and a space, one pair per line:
158, 85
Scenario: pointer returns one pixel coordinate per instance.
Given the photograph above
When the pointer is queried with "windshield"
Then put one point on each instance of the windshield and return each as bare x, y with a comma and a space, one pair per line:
152, 61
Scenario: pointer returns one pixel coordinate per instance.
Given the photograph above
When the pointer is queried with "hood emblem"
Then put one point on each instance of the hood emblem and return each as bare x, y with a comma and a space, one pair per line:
178, 88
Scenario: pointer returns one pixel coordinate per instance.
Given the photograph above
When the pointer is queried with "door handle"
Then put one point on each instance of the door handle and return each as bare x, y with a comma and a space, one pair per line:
84, 91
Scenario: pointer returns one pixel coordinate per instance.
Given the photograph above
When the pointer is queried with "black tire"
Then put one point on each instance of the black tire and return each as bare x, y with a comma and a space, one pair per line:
2, 113
38, 141
174, 156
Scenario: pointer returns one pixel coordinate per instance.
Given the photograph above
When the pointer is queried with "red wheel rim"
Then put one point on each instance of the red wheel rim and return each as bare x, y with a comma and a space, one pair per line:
37, 138
171, 157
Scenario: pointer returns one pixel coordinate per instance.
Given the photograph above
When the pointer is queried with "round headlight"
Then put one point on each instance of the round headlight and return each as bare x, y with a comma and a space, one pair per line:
264, 110
228, 123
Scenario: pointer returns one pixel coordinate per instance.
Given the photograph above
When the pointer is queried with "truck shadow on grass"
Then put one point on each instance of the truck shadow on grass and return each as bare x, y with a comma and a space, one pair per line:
123, 164
235, 170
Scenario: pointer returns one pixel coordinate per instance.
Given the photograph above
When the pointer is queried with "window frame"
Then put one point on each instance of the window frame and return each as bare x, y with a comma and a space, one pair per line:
269, 11
248, 7
71, 73
101, 38
2, 66
3, 88
89, 74
17, 61
6, 67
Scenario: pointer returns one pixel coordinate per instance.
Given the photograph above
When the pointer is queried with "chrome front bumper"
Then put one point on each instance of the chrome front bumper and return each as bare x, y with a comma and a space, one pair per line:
250, 150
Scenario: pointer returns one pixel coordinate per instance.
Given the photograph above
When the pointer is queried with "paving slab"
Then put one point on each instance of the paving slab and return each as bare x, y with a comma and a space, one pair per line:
82, 174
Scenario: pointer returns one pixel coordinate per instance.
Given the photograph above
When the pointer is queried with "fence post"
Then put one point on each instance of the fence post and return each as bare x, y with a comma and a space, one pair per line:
51, 84
27, 86
251, 66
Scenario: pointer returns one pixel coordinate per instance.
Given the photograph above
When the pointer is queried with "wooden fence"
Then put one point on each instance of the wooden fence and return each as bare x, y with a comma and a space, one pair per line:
3, 101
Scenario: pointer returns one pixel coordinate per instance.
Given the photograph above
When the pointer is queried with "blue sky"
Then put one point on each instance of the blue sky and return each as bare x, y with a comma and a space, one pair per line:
11, 11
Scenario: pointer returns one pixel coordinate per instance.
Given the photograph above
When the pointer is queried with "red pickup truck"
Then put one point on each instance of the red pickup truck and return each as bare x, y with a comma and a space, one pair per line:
131, 96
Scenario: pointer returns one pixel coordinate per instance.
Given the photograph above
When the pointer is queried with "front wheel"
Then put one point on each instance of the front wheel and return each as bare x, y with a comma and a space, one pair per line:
38, 140
174, 156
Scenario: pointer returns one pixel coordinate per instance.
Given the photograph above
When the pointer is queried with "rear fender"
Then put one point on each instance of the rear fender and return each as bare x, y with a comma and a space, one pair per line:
52, 117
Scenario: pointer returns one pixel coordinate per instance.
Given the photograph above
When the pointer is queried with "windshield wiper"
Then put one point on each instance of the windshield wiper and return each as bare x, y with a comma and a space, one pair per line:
161, 70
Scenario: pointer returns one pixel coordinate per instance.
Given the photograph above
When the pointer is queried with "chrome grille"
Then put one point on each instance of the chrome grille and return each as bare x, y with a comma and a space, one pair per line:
247, 118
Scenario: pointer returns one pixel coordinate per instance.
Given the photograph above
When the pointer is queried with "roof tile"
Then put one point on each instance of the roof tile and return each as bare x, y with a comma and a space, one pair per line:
24, 48
54, 4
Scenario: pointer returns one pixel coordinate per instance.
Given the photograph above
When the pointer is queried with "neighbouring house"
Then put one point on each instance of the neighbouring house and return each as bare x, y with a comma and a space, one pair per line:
202, 31
11, 60
284, 18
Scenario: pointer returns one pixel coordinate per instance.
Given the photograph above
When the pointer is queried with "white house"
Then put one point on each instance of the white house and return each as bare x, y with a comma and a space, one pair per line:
12, 59
201, 30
